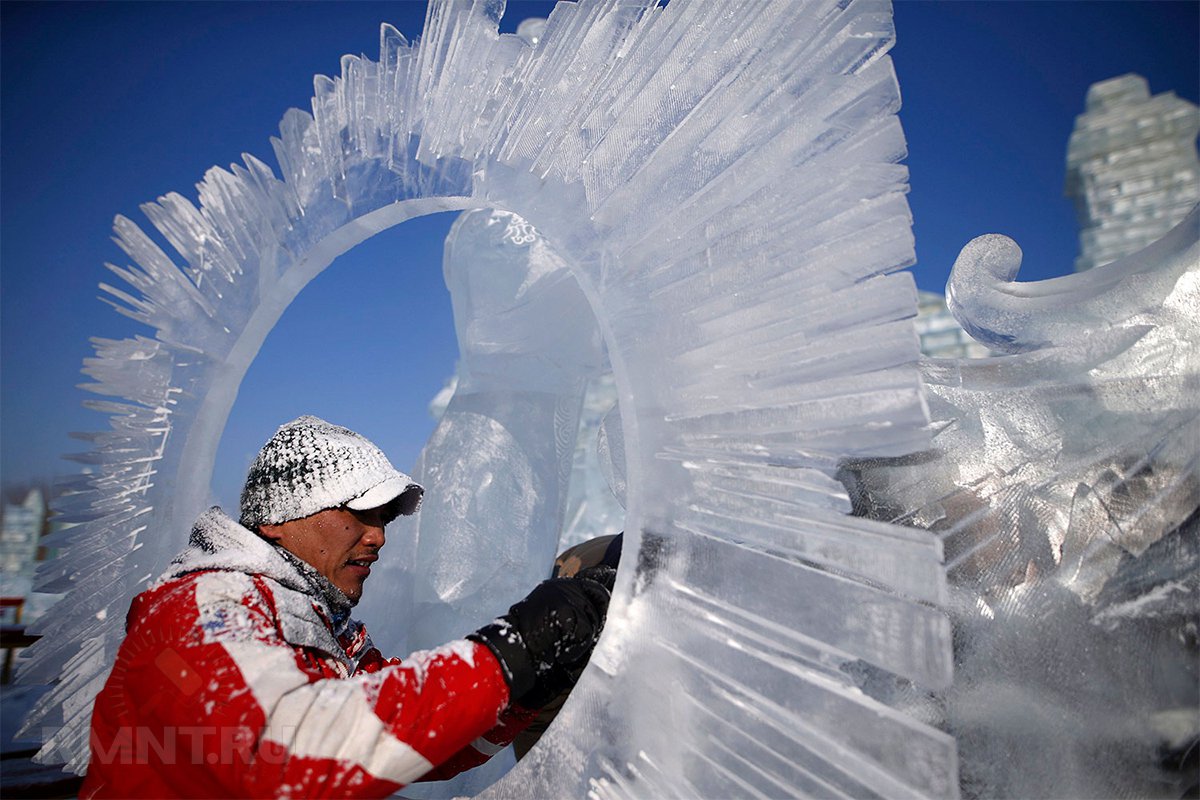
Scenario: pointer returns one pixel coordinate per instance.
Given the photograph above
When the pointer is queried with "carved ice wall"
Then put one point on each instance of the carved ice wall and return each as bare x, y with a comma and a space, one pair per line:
722, 215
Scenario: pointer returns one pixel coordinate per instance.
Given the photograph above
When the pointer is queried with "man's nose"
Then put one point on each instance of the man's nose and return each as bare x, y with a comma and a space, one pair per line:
374, 536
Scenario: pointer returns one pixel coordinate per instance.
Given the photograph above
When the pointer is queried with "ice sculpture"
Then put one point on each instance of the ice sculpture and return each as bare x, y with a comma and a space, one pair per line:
593, 506
1064, 483
720, 215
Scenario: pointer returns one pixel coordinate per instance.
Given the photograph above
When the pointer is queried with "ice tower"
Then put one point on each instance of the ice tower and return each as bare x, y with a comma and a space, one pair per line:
941, 335
19, 540
1132, 168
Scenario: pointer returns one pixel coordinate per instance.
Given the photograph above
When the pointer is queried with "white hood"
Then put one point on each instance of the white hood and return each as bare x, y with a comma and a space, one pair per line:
218, 542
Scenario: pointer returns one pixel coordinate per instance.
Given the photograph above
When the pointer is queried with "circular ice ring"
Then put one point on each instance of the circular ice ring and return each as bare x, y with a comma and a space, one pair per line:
677, 217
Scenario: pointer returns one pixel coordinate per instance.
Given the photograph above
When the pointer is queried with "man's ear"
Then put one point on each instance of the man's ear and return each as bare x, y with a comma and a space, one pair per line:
272, 532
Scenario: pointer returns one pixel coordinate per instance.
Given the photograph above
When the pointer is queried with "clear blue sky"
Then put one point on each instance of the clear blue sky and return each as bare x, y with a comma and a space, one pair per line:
109, 105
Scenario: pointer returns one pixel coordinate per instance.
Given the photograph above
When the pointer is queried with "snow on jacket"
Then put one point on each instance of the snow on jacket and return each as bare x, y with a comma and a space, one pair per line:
243, 675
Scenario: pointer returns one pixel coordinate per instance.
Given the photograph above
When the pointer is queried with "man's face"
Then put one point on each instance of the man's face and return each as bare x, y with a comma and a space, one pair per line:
339, 543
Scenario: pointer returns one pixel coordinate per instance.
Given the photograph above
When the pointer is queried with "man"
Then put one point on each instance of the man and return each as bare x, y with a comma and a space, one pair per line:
242, 673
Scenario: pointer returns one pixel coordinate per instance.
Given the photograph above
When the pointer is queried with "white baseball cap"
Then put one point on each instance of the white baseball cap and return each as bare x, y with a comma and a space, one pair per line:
311, 465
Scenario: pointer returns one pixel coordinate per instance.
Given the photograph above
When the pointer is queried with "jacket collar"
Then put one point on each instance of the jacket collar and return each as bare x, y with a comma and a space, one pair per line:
218, 542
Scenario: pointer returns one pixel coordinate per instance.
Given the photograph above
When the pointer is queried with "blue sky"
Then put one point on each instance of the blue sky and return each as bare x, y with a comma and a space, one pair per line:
108, 105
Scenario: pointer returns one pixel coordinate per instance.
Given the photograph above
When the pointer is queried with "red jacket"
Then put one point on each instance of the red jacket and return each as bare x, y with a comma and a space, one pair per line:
242, 675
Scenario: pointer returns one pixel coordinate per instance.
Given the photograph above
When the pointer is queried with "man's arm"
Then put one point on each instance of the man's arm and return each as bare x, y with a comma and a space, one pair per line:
254, 716
513, 721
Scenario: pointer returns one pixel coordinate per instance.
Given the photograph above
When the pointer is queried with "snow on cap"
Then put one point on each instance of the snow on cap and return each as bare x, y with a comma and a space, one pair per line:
310, 465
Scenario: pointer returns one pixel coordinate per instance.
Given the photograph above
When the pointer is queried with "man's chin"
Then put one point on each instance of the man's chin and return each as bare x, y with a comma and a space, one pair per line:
353, 593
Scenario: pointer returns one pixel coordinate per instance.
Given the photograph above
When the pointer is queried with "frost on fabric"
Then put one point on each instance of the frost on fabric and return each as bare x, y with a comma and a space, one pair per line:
422, 661
217, 542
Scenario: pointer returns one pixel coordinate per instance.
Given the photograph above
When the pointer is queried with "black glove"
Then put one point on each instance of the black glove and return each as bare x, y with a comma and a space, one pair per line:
543, 636
602, 574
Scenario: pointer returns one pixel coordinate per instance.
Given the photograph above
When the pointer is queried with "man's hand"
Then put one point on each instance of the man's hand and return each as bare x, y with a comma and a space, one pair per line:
547, 636
602, 574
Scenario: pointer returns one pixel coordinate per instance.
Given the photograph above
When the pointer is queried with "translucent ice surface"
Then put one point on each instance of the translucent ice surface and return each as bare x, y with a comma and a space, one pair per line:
1064, 483
705, 200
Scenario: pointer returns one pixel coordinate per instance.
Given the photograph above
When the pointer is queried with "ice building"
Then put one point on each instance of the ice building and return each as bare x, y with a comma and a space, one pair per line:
23, 547
19, 540
941, 335
1132, 168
